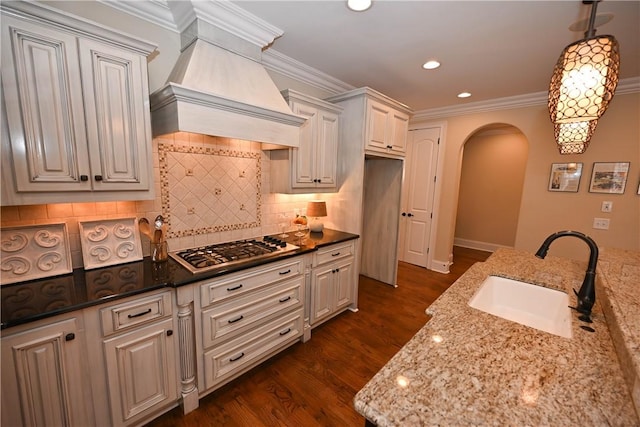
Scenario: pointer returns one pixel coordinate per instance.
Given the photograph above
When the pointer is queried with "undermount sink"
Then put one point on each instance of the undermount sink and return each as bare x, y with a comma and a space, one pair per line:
530, 305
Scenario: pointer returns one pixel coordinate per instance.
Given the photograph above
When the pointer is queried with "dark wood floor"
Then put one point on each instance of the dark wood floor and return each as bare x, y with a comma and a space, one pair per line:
313, 384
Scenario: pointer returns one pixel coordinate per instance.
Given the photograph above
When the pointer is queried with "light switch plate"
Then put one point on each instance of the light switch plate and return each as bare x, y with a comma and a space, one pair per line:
601, 223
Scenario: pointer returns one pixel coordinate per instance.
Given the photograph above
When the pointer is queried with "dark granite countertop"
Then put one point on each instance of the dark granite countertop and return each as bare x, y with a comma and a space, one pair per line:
38, 299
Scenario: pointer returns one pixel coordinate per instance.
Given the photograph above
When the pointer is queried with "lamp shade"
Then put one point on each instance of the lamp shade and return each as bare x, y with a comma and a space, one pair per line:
573, 138
316, 209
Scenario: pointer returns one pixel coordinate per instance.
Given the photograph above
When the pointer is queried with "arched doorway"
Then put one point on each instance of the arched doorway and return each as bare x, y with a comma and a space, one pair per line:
494, 159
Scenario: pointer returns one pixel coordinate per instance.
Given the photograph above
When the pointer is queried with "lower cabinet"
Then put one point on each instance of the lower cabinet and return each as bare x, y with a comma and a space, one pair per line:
333, 281
136, 365
44, 375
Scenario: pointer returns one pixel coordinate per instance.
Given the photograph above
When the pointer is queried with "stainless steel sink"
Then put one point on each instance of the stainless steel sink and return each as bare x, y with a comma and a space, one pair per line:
525, 303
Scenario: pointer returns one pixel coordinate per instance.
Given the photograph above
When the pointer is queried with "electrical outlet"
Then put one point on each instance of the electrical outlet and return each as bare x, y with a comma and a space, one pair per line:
601, 223
607, 206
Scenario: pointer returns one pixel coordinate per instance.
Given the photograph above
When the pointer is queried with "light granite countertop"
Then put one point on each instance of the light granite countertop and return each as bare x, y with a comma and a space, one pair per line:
467, 367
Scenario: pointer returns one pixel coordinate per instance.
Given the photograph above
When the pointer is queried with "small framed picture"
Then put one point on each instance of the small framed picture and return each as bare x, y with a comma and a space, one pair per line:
610, 178
565, 177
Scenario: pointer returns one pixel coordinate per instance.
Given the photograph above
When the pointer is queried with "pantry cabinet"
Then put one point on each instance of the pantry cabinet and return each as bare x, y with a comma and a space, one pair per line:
76, 109
313, 165
333, 281
44, 375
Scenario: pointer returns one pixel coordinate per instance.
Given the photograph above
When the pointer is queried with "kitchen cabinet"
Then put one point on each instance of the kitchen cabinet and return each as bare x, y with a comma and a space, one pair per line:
44, 374
311, 166
247, 317
387, 129
333, 281
77, 114
136, 367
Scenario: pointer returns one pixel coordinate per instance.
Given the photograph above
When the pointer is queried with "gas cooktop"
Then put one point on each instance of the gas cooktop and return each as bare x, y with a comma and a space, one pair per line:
211, 257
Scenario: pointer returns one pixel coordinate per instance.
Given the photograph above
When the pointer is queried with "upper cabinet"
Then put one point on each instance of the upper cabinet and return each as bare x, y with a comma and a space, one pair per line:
312, 166
386, 121
76, 104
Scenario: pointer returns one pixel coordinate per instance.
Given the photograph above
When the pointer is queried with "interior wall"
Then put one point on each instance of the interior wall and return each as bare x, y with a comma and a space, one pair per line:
491, 181
542, 212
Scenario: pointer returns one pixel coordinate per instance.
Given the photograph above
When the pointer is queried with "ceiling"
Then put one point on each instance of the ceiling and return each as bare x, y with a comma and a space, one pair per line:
493, 49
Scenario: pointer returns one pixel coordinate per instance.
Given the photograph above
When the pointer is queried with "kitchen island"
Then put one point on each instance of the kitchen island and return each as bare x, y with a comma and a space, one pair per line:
467, 367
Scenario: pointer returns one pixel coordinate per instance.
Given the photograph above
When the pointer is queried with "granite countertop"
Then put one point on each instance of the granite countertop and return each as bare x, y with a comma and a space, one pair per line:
38, 299
467, 367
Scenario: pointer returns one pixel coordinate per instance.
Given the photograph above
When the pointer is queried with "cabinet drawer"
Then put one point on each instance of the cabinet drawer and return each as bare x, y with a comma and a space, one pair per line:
242, 353
333, 252
231, 318
142, 310
241, 283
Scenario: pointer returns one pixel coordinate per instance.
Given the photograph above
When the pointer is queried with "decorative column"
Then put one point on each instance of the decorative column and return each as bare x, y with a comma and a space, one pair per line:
186, 340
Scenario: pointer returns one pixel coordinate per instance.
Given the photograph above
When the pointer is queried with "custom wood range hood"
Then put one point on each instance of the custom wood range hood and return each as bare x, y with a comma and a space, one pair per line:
218, 86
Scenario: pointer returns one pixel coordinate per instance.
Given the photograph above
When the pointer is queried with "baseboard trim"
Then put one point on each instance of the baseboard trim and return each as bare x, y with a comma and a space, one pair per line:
481, 246
440, 266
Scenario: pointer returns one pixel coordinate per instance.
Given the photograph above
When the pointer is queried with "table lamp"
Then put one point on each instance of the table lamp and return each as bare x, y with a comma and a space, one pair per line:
316, 209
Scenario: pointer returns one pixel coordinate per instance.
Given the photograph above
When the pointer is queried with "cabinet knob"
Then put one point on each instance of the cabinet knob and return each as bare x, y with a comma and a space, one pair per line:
98, 177
169, 332
70, 336
410, 214
84, 178
403, 214
389, 147
319, 180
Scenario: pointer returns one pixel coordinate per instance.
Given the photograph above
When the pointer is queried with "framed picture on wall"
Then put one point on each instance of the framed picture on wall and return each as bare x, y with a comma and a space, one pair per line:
565, 177
610, 178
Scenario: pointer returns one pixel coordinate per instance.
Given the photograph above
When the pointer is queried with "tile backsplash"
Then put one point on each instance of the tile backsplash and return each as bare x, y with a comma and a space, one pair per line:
262, 214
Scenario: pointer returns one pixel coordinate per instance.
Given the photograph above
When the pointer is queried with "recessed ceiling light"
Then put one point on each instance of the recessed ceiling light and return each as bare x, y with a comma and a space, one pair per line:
431, 65
464, 95
358, 5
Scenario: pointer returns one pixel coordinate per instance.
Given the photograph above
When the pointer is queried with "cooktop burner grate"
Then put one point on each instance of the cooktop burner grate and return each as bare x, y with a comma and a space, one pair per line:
219, 255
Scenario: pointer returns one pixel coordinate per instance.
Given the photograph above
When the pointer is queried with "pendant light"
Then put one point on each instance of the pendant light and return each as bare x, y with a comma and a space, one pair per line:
583, 83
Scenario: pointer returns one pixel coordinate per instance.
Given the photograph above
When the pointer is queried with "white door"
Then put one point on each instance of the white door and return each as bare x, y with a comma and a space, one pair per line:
417, 197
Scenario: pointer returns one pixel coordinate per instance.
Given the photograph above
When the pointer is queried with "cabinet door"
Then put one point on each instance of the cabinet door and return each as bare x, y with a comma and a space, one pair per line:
115, 87
40, 77
321, 293
326, 149
378, 126
400, 126
43, 377
141, 372
343, 284
303, 168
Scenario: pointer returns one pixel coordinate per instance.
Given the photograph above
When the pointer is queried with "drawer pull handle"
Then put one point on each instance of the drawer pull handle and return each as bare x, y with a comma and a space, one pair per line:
237, 319
285, 299
235, 288
282, 273
336, 254
70, 336
131, 316
238, 357
285, 332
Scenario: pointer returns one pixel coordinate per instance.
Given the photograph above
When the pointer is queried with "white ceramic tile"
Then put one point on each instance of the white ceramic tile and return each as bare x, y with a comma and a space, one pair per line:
109, 242
34, 252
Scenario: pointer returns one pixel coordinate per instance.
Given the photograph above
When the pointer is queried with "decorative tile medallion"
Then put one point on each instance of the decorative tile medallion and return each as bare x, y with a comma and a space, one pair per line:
207, 190
34, 251
109, 242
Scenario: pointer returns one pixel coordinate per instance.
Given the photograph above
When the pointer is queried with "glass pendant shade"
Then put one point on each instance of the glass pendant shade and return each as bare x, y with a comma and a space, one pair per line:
583, 83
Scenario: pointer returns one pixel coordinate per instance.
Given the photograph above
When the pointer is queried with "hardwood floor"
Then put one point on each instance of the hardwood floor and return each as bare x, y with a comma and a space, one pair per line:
313, 384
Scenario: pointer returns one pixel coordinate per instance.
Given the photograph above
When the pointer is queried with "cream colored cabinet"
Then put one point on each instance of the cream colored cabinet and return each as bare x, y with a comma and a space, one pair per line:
333, 281
135, 365
387, 129
44, 375
77, 113
311, 166
380, 123
247, 317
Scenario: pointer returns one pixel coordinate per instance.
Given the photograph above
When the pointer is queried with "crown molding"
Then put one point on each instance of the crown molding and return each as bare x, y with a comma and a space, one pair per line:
625, 86
155, 11
282, 64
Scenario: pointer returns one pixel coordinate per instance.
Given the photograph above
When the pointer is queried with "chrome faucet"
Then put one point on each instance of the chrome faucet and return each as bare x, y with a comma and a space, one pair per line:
587, 294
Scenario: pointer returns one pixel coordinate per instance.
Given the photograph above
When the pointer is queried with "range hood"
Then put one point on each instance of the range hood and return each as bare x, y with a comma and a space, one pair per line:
218, 87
